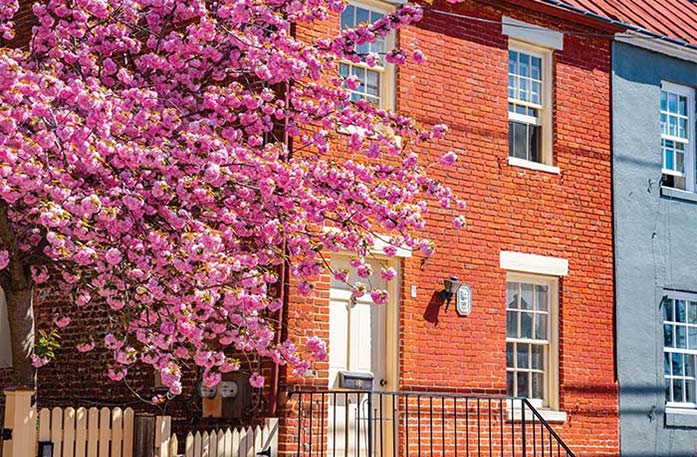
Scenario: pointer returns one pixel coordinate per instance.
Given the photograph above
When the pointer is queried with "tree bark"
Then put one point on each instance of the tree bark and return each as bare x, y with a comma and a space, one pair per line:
20, 312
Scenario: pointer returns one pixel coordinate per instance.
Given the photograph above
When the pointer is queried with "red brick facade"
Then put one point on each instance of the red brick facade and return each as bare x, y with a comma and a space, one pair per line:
566, 215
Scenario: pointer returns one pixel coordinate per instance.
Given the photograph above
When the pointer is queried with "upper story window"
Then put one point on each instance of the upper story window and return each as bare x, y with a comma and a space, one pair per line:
680, 350
376, 82
530, 94
531, 346
526, 104
677, 137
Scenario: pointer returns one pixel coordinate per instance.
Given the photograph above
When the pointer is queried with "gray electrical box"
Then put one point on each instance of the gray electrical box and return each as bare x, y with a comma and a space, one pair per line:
354, 380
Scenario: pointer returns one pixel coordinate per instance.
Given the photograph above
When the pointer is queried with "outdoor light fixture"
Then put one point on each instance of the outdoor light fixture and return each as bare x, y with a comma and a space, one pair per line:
450, 288
45, 449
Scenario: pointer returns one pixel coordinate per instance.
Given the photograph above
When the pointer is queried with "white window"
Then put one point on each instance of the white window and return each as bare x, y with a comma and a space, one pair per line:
677, 136
376, 82
529, 103
531, 338
680, 350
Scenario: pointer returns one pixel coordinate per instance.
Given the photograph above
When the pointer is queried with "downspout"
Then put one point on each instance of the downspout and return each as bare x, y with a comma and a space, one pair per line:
274, 399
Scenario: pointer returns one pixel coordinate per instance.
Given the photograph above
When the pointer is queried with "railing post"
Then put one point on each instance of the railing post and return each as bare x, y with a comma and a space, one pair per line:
20, 421
522, 427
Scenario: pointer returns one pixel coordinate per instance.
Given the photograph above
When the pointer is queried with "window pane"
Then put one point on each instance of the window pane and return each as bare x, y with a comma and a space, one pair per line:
676, 363
666, 363
537, 357
541, 298
664, 100
672, 103
692, 338
523, 350
692, 314
523, 384
362, 16
517, 140
537, 385
512, 295
669, 397
513, 62
677, 390
668, 310
689, 390
509, 384
347, 17
682, 106
689, 365
525, 325
536, 68
680, 315
373, 86
541, 326
680, 337
510, 355
512, 324
668, 335
511, 86
526, 296
524, 65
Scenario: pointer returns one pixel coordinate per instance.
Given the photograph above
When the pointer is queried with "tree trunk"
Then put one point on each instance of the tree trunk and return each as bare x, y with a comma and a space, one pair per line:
20, 313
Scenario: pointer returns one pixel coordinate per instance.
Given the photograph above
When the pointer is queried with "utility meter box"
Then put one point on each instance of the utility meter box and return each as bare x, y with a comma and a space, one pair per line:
355, 380
230, 399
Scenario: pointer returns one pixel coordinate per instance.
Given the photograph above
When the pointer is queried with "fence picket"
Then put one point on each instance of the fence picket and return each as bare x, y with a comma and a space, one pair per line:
257, 441
68, 432
104, 431
220, 451
92, 431
197, 444
128, 419
80, 432
173, 446
229, 439
44, 424
189, 445
116, 432
236, 439
57, 430
213, 444
205, 445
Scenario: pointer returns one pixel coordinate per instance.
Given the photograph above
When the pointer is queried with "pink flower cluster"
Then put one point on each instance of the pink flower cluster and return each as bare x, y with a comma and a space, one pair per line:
140, 167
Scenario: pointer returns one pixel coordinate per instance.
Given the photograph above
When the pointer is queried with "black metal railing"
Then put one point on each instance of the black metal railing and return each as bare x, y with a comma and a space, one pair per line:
381, 424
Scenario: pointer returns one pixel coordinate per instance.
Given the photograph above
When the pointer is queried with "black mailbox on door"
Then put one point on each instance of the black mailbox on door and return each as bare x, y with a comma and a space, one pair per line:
354, 380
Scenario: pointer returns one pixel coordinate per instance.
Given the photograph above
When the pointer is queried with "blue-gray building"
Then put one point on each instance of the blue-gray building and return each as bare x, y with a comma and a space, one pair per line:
655, 232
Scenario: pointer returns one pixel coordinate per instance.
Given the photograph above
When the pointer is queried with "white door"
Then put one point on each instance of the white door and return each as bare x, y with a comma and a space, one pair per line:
358, 342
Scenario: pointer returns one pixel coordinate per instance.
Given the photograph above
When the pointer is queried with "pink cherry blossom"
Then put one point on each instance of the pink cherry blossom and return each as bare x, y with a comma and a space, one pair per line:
154, 181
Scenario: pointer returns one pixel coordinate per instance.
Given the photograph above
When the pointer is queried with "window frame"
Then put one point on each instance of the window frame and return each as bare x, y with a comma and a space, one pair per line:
550, 398
690, 153
387, 70
688, 297
545, 109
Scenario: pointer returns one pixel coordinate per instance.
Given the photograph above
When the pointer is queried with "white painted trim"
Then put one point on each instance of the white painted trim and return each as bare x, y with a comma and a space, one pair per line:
532, 263
516, 415
518, 162
689, 92
532, 33
652, 44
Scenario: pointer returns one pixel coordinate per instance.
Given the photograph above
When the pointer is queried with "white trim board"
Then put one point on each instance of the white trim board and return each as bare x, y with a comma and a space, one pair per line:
532, 263
532, 33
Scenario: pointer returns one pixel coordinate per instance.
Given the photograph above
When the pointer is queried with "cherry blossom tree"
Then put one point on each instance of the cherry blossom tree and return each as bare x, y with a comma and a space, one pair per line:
165, 157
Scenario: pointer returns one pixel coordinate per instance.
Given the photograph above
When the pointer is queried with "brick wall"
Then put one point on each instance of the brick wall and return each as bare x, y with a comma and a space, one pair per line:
565, 215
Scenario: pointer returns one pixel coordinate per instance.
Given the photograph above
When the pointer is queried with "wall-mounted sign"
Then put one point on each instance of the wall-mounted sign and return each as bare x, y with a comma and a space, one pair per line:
463, 300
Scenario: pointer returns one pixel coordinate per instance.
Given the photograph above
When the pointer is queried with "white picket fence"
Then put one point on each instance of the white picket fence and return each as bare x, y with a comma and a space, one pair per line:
239, 442
87, 432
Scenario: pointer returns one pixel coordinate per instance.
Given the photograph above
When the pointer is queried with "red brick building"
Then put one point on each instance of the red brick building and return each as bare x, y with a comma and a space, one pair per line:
525, 90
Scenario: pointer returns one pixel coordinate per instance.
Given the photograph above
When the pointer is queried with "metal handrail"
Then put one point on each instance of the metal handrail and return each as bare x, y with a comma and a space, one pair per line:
420, 421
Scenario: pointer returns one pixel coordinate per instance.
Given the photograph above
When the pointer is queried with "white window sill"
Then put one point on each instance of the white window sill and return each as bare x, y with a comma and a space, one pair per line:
549, 415
681, 417
516, 162
678, 194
